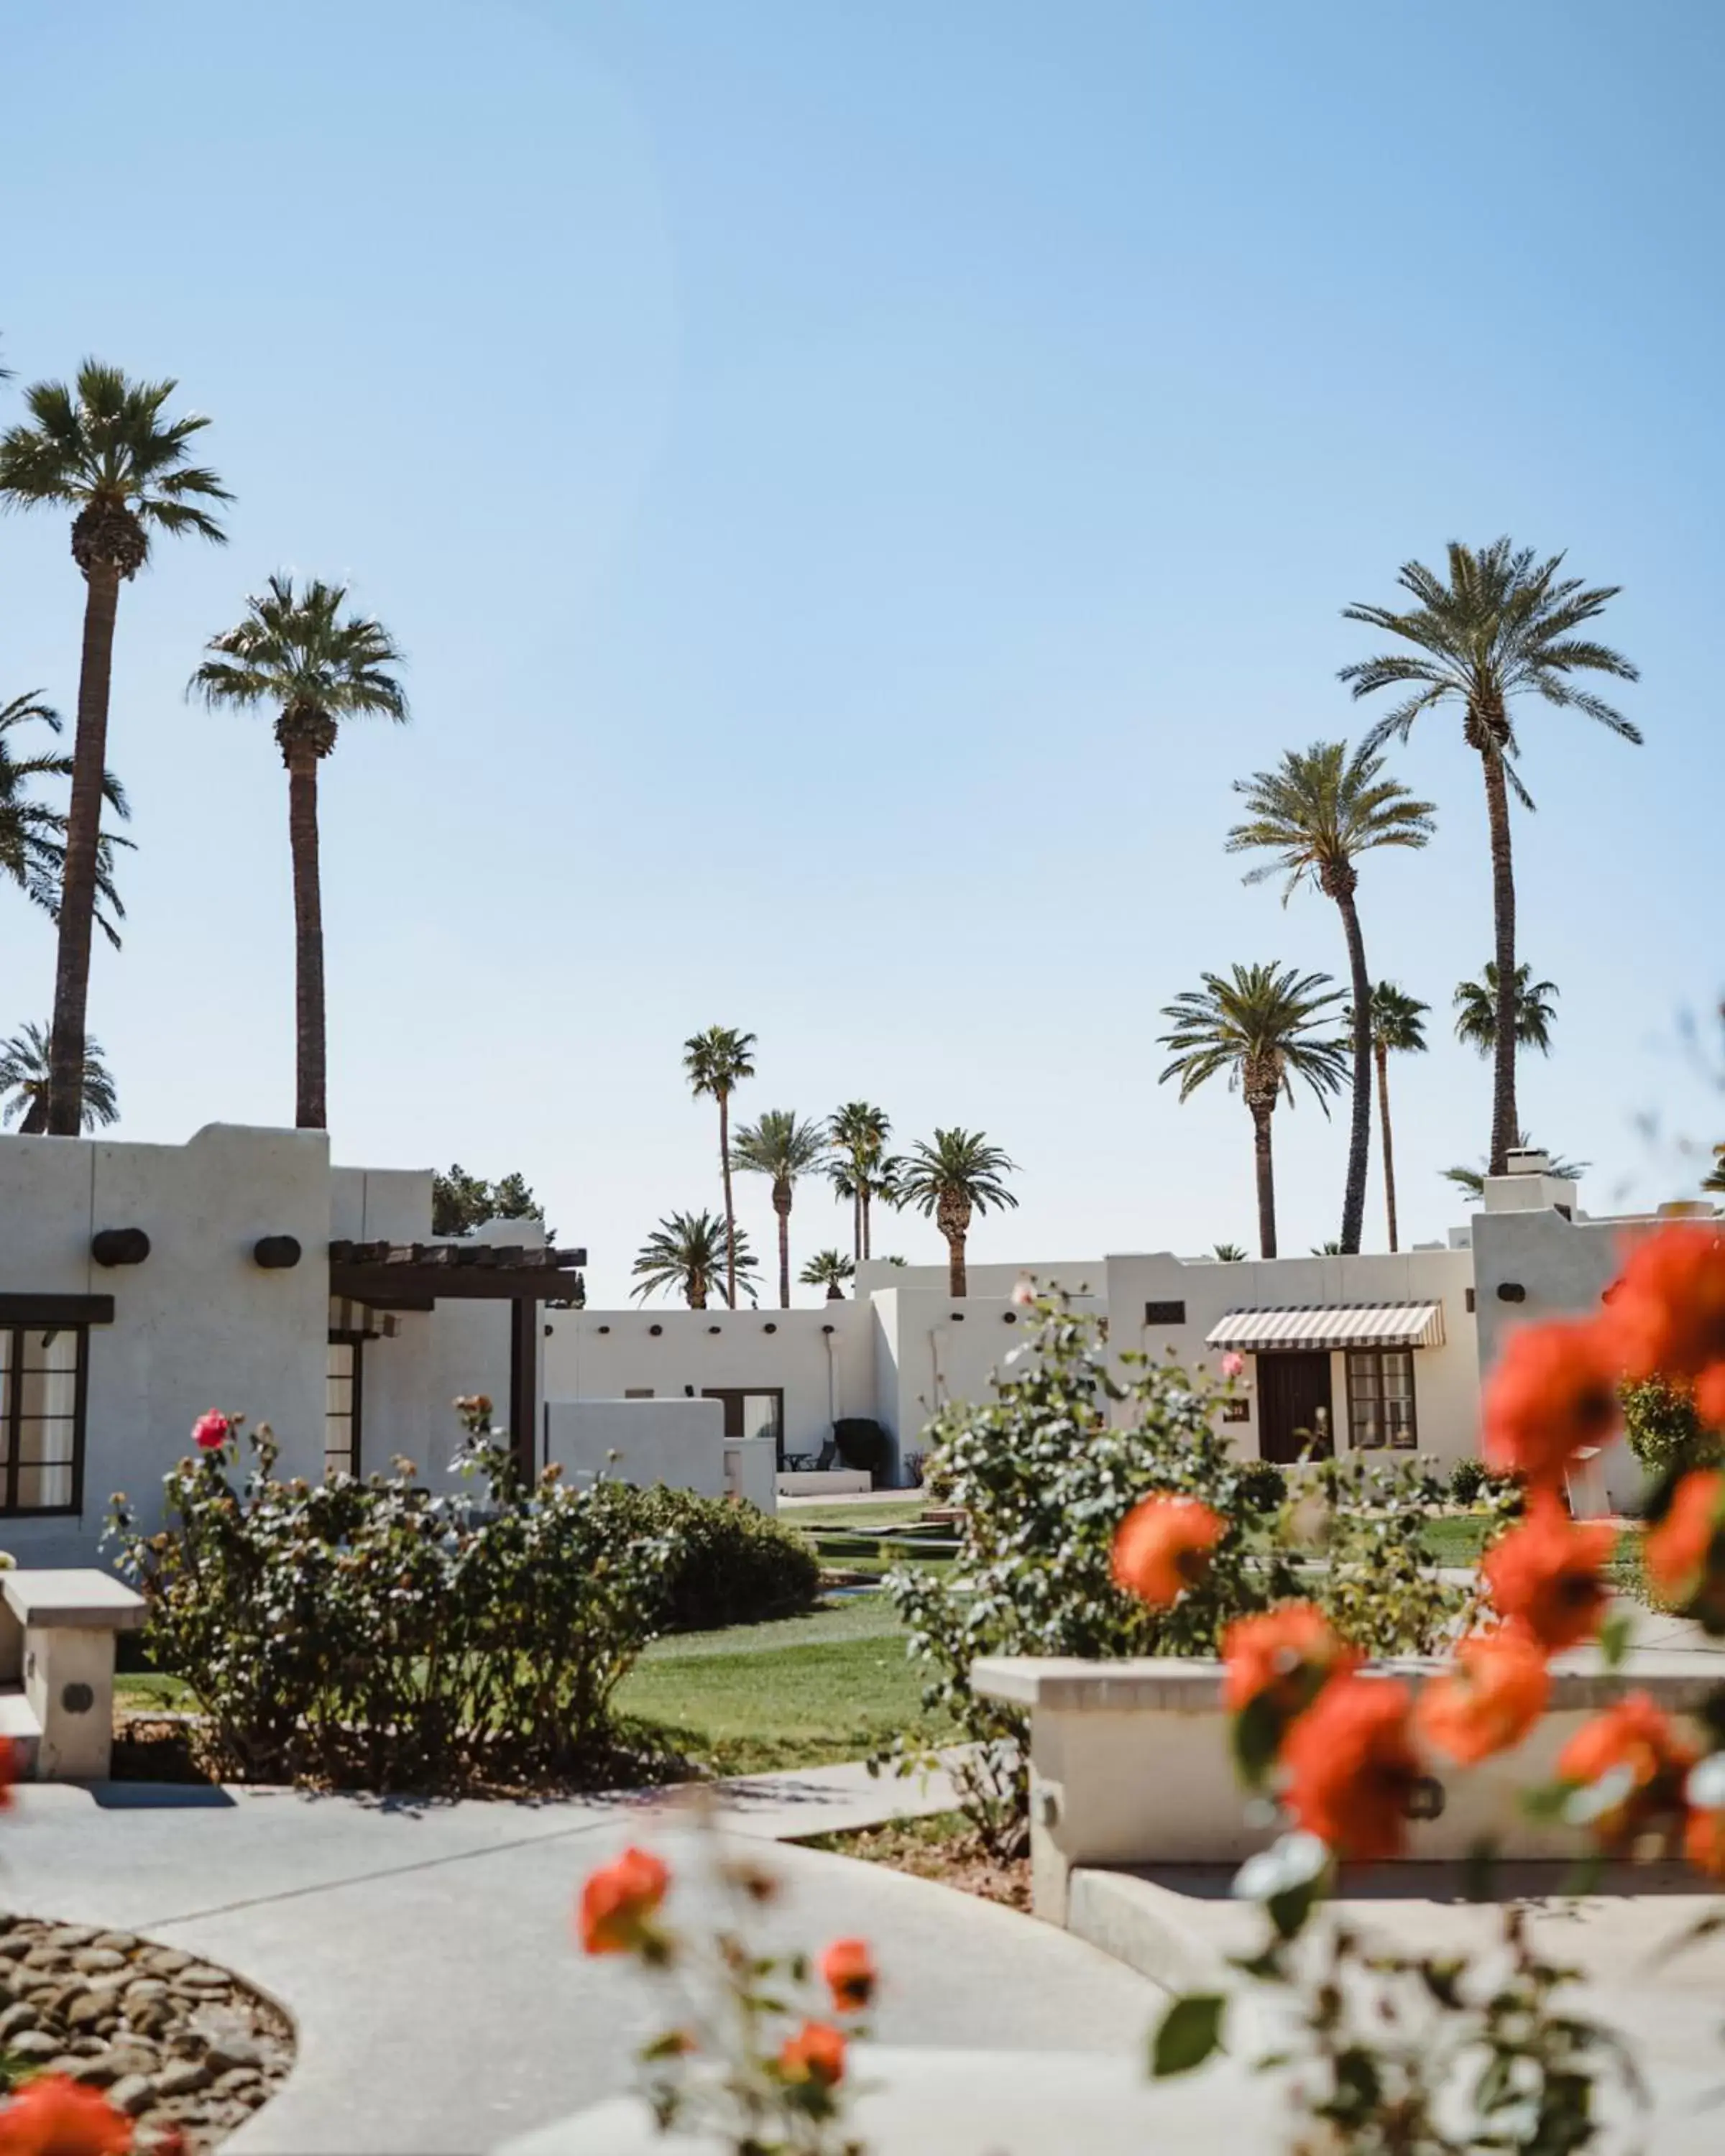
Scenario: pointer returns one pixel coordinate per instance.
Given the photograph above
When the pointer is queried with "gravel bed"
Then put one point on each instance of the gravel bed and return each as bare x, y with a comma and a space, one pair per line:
183, 2048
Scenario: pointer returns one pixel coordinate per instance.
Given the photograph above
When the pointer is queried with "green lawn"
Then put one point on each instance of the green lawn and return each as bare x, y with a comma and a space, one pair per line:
1458, 1540
801, 1693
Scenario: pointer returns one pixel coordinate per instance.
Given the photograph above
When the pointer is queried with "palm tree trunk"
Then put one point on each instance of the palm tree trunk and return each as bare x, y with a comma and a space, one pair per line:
1359, 1131
1389, 1149
958, 1280
730, 1208
1505, 1128
781, 1206
310, 1111
856, 1218
867, 1236
84, 831
1266, 1181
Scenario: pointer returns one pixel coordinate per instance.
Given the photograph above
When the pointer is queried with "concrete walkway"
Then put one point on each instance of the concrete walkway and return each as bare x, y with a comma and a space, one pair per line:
425, 1951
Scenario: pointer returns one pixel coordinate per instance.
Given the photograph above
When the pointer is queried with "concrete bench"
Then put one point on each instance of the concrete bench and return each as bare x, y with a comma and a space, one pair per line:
1130, 1762
58, 1631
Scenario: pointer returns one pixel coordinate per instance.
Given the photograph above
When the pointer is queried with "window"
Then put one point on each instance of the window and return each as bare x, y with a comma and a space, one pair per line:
43, 1380
1164, 1313
1380, 1399
341, 1404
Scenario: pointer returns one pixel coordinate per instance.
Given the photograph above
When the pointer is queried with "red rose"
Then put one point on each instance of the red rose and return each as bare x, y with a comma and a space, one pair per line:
618, 1900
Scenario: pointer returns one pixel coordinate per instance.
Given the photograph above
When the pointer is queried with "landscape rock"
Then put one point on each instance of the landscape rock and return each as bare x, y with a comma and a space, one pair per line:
94, 1961
23, 2015
131, 2093
34, 2043
182, 2077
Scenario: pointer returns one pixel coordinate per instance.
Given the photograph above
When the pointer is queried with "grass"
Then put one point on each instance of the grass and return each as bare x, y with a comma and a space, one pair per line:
1458, 1539
810, 1691
860, 1519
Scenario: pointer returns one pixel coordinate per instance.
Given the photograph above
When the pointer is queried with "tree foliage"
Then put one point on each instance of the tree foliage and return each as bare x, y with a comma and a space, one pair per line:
460, 1202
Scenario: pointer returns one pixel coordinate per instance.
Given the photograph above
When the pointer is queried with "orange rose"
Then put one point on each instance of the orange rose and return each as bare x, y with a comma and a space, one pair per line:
1286, 1655
618, 1899
847, 1969
1351, 1767
55, 2117
1633, 1744
1684, 1550
1489, 1698
1544, 1574
1666, 1311
1162, 1547
816, 2053
1554, 1390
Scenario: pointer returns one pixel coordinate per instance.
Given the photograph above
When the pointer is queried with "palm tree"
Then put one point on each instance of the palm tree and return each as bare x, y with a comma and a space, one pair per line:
24, 1083
1502, 626
782, 1146
102, 448
863, 1170
1315, 815
959, 1174
692, 1253
1471, 1181
1260, 1027
296, 651
717, 1062
32, 836
1477, 1004
1398, 1028
1714, 1179
830, 1270
1228, 1254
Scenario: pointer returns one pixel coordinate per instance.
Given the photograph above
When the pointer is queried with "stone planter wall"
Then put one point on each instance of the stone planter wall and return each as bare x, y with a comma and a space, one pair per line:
1130, 1762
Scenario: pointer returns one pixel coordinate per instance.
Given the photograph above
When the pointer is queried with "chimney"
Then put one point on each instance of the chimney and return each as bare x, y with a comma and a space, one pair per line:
1527, 1160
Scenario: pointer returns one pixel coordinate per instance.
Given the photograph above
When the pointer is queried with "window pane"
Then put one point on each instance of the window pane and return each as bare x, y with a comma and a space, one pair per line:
760, 1414
44, 1489
340, 1455
39, 1369
1380, 1398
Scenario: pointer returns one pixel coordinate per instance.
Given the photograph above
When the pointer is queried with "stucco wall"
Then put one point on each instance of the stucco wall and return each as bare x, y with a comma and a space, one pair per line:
602, 1354
199, 1324
675, 1441
1445, 1379
1076, 1275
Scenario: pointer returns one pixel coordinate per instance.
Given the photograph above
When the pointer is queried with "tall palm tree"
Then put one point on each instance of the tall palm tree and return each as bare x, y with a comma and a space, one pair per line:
692, 1253
717, 1062
1315, 815
104, 449
24, 1083
33, 834
1228, 1254
959, 1174
1504, 625
862, 1170
782, 1146
830, 1270
1261, 1026
1477, 1004
1471, 1181
297, 651
1398, 1028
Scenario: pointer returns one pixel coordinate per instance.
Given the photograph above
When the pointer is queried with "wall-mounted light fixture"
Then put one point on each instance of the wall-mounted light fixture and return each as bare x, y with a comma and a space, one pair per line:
1008, 1317
276, 1253
828, 1328
957, 1317
119, 1247
714, 1328
655, 1330
1511, 1292
769, 1327
604, 1328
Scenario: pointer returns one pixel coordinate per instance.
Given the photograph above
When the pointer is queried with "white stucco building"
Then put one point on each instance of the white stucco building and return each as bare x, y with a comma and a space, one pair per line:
141, 1285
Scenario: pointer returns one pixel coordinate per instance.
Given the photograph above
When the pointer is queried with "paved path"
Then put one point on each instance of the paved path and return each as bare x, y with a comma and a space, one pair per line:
425, 1951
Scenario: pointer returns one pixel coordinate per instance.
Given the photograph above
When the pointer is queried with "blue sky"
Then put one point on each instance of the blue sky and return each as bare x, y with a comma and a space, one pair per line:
855, 485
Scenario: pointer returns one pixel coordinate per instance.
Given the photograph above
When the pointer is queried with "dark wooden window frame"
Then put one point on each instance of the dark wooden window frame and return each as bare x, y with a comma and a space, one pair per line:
740, 1392
17, 1326
1357, 1356
355, 1414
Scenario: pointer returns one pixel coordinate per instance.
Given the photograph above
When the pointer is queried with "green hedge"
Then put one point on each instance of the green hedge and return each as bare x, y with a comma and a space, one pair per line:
727, 1563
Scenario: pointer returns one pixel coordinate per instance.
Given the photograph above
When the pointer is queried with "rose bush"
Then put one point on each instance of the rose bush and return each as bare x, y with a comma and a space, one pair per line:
1044, 1475
375, 1633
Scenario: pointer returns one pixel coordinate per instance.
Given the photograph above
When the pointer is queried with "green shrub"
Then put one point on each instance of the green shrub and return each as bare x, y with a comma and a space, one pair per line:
862, 1445
1044, 1478
1467, 1479
725, 1564
1263, 1487
1665, 1433
376, 1634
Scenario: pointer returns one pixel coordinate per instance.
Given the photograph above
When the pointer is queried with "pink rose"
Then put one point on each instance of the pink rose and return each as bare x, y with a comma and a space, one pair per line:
1024, 1292
209, 1433
1233, 1365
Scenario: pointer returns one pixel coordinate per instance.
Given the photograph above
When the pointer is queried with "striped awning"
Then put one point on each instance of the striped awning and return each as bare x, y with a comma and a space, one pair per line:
1343, 1325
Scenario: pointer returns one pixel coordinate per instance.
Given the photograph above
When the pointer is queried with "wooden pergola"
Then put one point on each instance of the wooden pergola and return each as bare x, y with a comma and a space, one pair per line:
419, 1275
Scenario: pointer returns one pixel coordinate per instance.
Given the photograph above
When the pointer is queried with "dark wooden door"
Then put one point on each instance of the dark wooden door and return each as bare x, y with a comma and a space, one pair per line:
1293, 1407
